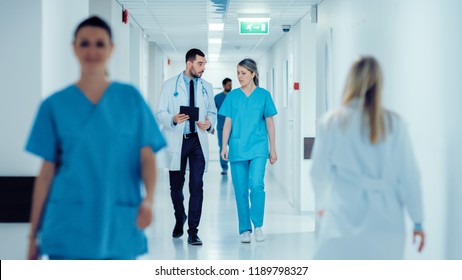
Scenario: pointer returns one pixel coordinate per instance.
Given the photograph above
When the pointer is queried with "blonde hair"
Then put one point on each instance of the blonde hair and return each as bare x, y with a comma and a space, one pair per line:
250, 65
365, 83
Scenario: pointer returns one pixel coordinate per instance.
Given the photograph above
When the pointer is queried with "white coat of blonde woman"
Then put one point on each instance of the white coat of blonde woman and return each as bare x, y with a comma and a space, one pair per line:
365, 174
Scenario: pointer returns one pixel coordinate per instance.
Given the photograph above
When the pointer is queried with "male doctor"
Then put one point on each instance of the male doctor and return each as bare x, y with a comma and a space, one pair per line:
187, 139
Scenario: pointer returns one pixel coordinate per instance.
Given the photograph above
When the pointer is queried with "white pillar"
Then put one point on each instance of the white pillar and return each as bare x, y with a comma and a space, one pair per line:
156, 75
307, 106
20, 79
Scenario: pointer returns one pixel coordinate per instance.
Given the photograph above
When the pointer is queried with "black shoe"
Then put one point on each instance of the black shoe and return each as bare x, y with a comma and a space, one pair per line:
224, 172
193, 239
178, 229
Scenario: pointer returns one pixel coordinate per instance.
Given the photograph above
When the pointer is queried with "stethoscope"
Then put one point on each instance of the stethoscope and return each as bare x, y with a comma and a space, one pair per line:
175, 93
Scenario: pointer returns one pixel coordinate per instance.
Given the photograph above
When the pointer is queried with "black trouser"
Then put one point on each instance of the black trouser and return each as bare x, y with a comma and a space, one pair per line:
191, 149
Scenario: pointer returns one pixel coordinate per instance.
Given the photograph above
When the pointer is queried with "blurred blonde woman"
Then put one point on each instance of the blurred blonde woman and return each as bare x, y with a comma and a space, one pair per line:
364, 173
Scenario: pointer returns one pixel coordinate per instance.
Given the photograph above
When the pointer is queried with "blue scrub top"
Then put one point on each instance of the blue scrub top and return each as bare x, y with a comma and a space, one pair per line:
249, 135
93, 200
219, 98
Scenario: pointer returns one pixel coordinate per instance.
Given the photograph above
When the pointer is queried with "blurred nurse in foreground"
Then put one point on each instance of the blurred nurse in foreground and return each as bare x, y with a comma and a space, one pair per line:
97, 139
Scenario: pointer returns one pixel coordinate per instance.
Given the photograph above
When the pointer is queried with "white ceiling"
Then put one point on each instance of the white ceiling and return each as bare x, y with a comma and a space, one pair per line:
178, 25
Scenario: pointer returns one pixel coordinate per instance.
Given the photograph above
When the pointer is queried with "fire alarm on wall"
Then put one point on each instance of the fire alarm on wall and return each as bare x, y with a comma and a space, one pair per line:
296, 86
125, 16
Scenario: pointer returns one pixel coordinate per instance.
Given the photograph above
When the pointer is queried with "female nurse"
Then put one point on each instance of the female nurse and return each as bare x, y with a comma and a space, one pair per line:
249, 112
96, 139
365, 175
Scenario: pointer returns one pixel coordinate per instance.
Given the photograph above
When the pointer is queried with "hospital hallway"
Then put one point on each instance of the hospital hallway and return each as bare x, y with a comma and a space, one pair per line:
303, 51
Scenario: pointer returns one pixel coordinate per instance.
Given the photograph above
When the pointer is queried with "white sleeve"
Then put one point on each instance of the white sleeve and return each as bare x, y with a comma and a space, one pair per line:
212, 109
409, 176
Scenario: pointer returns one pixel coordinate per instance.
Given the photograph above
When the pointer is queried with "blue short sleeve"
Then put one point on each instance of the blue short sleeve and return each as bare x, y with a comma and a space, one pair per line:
227, 105
150, 132
270, 108
43, 140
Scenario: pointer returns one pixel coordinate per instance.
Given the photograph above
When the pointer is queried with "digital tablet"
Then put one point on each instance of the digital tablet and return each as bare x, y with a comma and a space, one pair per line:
192, 112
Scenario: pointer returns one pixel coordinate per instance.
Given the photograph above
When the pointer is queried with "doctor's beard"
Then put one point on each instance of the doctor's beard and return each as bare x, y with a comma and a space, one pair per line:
196, 74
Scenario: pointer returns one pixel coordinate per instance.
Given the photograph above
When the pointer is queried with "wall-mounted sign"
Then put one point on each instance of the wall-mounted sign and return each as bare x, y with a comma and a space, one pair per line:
254, 26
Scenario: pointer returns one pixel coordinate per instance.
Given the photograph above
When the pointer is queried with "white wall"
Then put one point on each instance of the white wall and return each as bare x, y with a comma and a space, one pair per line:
296, 114
156, 74
144, 75
215, 72
21, 83
450, 91
136, 38
59, 65
408, 38
174, 68
37, 58
276, 58
305, 73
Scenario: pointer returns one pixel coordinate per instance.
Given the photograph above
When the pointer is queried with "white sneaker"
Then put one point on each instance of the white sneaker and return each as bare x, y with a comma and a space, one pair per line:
245, 237
259, 236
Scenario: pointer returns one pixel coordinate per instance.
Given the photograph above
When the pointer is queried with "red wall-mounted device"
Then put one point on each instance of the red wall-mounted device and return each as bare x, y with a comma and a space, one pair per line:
296, 86
125, 16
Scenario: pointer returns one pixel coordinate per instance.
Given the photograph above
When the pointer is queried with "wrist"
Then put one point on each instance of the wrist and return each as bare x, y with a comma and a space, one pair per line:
418, 227
148, 200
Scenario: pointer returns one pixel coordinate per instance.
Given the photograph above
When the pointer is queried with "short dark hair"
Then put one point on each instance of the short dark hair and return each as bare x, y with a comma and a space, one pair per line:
94, 21
225, 81
191, 54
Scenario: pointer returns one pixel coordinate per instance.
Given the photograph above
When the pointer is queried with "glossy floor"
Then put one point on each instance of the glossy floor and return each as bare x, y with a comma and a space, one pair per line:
289, 235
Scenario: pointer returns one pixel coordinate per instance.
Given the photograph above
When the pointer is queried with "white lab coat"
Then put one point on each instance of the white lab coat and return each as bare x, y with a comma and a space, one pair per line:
169, 105
363, 188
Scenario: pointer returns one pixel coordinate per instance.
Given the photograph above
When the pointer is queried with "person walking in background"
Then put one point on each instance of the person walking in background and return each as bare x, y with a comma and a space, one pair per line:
249, 112
219, 98
187, 138
97, 139
364, 173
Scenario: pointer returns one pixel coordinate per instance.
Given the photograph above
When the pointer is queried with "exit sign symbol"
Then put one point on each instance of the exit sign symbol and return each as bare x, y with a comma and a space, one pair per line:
253, 28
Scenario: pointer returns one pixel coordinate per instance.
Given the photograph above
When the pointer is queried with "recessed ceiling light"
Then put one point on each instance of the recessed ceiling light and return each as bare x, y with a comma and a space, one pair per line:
215, 41
216, 26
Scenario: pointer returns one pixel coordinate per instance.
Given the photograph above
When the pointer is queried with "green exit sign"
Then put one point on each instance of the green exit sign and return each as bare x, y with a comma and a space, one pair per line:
253, 27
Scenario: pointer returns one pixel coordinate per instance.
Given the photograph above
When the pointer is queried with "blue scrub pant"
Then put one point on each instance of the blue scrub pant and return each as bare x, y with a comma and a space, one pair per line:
191, 150
249, 175
223, 163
